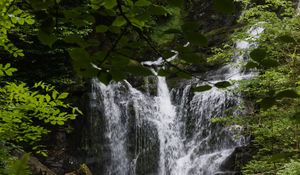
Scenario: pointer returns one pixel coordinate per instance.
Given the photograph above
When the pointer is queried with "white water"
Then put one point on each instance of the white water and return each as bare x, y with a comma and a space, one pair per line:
179, 154
168, 129
115, 129
168, 133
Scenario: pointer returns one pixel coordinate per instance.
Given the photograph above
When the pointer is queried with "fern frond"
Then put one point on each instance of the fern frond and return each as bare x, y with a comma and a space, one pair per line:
20, 167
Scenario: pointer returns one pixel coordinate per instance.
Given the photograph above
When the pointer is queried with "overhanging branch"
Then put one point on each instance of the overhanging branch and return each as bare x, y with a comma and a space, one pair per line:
151, 45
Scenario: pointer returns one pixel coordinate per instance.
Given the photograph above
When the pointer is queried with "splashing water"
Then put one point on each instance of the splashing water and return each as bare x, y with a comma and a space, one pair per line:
169, 133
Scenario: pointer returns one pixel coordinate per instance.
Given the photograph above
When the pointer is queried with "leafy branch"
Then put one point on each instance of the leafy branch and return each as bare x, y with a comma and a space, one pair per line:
115, 44
151, 45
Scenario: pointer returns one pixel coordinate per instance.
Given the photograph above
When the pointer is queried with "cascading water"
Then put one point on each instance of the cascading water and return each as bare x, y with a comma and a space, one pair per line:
169, 133
168, 129
115, 128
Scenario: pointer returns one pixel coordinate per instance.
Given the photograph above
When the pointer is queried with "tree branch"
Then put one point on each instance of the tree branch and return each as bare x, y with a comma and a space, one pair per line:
151, 45
115, 44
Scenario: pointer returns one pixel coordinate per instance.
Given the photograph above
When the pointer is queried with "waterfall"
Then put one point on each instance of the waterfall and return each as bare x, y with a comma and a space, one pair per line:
115, 128
168, 128
186, 142
168, 132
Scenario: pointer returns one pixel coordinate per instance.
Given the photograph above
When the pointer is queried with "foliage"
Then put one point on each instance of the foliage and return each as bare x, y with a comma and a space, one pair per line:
5, 158
21, 108
10, 17
26, 113
104, 38
292, 168
119, 33
273, 122
19, 167
10, 165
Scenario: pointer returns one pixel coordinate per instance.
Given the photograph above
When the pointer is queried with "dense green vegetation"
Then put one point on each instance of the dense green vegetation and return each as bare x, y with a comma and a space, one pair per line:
110, 38
273, 120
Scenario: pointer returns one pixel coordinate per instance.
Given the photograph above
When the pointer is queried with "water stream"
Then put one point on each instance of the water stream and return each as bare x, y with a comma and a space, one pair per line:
162, 131
168, 132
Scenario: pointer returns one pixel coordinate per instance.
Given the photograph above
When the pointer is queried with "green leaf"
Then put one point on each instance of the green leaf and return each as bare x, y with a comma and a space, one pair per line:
183, 75
74, 39
258, 54
101, 28
202, 88
48, 98
224, 6
78, 110
196, 38
17, 12
115, 29
192, 58
98, 56
63, 95
10, 71
109, 4
79, 54
119, 61
251, 65
128, 2
142, 3
157, 10
7, 66
119, 22
29, 21
72, 117
21, 21
190, 26
60, 123
105, 77
139, 70
223, 84
117, 74
137, 23
47, 39
172, 31
175, 3
289, 93
20, 167
164, 72
14, 20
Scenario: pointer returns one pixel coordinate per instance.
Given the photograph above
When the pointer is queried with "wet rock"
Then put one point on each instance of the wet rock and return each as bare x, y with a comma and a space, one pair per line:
38, 168
237, 159
83, 170
227, 173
